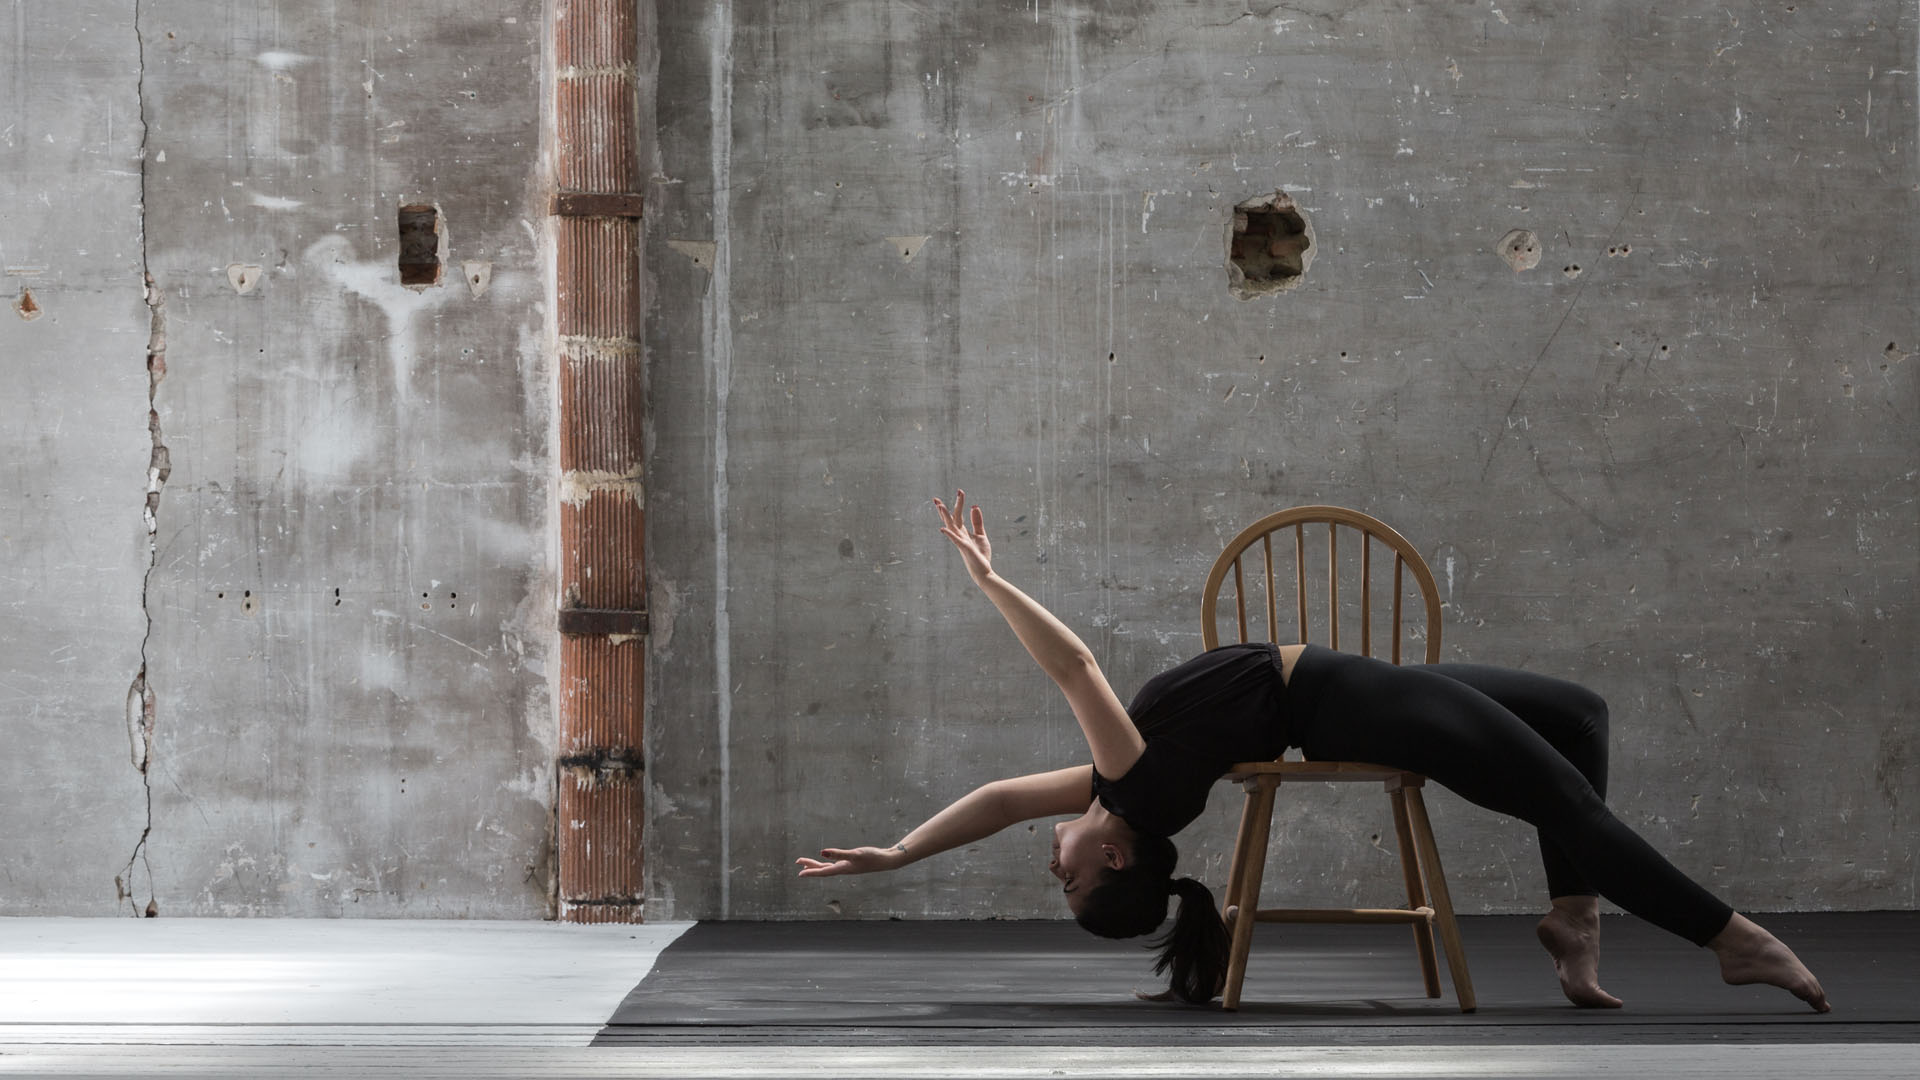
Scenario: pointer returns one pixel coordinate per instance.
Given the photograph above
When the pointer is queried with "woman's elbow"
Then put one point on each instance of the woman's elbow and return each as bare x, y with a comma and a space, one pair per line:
997, 803
1079, 677
1077, 666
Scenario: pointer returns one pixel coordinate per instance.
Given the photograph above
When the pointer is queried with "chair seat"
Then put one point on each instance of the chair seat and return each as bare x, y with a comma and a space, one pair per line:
1329, 771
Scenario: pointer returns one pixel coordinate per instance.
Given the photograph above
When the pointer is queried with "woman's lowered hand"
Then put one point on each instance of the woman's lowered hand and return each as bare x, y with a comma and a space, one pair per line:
860, 860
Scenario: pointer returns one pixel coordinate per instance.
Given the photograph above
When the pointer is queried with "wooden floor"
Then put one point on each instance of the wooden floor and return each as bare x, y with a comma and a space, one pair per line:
270, 999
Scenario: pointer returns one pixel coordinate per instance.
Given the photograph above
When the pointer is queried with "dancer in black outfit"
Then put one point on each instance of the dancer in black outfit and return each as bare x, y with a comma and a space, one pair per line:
1523, 745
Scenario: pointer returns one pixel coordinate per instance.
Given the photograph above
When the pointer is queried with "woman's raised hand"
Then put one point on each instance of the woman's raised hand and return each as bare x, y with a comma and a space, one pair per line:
970, 536
860, 860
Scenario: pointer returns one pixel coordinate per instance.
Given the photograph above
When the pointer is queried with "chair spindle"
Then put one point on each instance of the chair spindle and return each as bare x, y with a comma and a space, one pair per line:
1366, 594
1273, 614
1300, 574
1333, 581
1240, 599
1398, 562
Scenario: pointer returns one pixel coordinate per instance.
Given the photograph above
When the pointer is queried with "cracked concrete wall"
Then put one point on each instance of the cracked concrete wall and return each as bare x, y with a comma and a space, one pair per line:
74, 452
979, 244
1674, 459
334, 669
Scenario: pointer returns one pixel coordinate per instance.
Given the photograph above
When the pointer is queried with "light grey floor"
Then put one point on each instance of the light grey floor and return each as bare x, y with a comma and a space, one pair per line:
274, 998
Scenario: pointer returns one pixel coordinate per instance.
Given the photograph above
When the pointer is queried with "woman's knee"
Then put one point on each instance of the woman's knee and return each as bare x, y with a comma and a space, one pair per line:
1592, 709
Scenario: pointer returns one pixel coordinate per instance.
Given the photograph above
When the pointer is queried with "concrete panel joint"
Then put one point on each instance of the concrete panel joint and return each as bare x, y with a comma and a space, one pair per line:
142, 705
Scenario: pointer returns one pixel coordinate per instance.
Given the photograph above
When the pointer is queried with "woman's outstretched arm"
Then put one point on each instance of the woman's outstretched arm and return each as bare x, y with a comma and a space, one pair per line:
974, 816
1115, 742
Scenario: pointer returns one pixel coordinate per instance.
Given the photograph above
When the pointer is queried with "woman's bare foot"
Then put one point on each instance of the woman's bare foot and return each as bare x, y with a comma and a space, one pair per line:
1571, 935
1748, 954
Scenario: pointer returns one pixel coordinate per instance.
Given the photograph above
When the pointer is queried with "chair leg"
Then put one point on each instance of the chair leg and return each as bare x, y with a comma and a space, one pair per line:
1238, 866
1416, 893
1248, 895
1436, 880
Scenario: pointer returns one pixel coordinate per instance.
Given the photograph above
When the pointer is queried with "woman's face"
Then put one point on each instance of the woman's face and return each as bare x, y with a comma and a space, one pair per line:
1084, 848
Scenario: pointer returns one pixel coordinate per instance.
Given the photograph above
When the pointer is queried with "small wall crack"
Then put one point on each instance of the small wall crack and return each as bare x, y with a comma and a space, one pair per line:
141, 707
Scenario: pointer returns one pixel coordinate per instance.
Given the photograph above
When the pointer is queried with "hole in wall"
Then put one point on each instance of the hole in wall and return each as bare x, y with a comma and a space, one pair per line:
1269, 246
422, 245
243, 277
908, 246
478, 275
1521, 249
26, 307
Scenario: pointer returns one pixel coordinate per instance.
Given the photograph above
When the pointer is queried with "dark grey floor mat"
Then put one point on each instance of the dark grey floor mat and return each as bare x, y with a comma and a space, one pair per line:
1037, 980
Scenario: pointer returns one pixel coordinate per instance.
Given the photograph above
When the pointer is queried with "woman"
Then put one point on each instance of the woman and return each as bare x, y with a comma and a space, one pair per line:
1518, 744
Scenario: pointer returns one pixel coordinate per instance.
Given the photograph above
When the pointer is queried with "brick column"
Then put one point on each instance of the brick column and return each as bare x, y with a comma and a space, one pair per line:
600, 801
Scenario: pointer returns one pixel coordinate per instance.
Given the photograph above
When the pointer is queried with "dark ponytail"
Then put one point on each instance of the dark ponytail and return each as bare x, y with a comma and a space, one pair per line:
1132, 901
1197, 946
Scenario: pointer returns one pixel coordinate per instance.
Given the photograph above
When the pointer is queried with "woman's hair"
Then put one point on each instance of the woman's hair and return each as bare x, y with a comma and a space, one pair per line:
1132, 901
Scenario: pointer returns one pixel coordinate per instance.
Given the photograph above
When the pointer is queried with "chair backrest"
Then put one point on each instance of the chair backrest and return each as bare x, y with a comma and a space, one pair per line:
1347, 533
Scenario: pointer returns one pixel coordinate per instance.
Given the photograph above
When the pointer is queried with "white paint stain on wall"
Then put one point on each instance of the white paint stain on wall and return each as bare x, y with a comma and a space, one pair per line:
405, 310
274, 202
276, 60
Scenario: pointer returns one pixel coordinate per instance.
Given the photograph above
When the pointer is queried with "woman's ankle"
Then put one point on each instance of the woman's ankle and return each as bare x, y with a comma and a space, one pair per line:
1740, 934
1581, 908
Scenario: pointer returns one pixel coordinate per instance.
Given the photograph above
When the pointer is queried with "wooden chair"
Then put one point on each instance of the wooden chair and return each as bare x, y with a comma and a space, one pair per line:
1429, 907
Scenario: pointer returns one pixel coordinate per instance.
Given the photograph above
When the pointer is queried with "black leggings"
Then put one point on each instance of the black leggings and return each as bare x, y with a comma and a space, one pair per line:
1523, 745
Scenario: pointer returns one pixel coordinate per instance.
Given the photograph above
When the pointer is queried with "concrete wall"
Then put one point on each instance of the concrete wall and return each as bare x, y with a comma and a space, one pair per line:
1685, 474
336, 631
1675, 460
